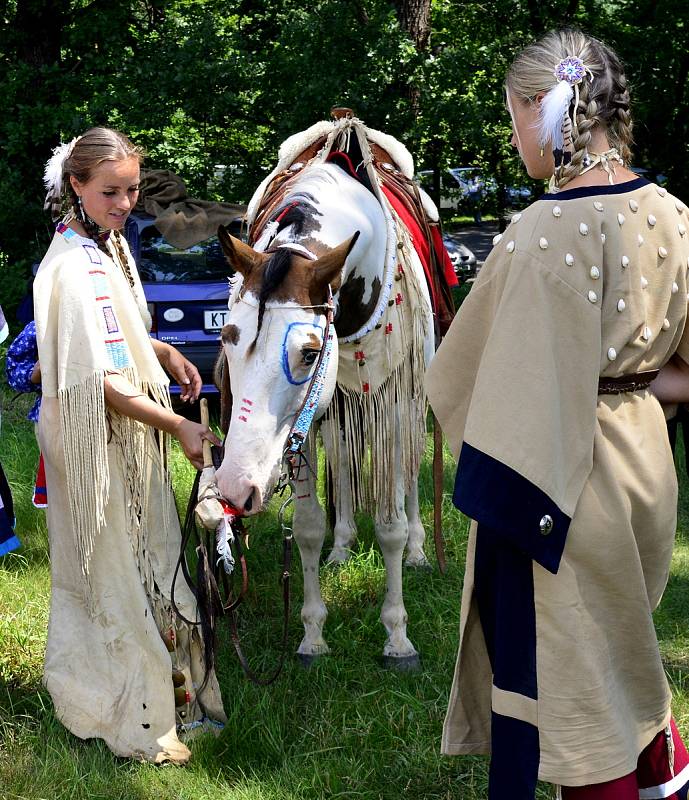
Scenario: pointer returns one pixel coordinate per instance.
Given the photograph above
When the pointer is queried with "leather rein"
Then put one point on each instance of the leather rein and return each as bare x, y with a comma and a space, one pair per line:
213, 586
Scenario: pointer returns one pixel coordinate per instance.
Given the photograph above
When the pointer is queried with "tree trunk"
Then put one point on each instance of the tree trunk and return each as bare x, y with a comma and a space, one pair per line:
37, 30
415, 18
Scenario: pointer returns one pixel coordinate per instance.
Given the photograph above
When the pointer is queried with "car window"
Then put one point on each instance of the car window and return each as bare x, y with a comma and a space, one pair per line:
162, 262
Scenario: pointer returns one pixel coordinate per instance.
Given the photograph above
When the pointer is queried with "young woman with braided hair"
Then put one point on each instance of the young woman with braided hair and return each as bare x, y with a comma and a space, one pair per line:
119, 665
542, 387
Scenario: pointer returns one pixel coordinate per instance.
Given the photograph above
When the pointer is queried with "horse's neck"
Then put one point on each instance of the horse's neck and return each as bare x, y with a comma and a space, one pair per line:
351, 208
342, 207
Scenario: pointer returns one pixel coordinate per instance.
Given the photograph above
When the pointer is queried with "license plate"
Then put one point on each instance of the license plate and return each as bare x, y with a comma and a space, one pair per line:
214, 320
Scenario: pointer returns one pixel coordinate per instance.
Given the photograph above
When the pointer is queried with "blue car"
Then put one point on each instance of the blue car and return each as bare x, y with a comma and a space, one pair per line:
186, 290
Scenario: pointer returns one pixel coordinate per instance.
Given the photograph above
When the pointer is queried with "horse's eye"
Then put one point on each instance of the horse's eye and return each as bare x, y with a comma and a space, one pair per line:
310, 356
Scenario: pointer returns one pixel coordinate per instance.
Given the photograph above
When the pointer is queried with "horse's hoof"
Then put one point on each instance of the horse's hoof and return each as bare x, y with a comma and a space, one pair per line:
422, 566
307, 660
338, 559
402, 663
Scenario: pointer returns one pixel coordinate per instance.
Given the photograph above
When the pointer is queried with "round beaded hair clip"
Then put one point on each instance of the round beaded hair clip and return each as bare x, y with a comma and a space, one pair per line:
571, 69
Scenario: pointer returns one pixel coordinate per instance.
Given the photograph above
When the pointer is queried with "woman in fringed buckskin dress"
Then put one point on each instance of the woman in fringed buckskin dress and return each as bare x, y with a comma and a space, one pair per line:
564, 466
119, 664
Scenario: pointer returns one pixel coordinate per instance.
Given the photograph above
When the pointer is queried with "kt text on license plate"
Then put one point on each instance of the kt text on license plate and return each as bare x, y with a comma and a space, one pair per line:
214, 320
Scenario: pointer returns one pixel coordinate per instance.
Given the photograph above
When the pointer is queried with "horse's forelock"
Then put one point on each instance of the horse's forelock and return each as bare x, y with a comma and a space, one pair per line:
274, 274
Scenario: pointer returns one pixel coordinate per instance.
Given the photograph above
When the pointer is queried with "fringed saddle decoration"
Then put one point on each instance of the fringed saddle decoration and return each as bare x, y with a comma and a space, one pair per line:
380, 403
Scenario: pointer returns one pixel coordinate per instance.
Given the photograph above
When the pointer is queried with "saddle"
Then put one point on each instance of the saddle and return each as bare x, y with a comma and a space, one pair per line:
403, 195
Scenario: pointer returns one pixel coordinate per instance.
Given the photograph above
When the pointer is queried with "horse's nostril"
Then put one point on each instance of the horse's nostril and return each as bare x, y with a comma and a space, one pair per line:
249, 503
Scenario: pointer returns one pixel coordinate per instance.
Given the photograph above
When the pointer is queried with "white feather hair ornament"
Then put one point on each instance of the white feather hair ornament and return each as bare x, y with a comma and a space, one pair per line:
54, 169
570, 72
553, 108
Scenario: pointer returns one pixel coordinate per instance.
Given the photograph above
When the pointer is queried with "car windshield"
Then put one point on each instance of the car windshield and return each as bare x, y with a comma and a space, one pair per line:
161, 262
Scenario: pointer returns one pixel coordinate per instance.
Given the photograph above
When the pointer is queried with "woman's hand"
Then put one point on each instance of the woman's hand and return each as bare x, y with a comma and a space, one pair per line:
190, 436
125, 398
179, 368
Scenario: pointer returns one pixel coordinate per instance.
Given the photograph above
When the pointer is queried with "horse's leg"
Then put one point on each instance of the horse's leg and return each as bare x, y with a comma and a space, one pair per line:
309, 531
345, 527
398, 651
416, 533
415, 554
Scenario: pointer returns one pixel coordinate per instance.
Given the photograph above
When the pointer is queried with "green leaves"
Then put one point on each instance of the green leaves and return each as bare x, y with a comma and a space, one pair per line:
205, 82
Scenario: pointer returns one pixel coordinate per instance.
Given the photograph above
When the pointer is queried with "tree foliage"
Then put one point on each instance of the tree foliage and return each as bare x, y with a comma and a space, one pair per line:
201, 83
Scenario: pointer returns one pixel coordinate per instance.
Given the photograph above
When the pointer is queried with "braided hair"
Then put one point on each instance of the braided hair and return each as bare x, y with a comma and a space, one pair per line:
603, 94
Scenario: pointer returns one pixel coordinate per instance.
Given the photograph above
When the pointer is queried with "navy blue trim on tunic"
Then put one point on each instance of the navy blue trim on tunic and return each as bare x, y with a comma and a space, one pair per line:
503, 586
593, 191
514, 761
509, 506
504, 594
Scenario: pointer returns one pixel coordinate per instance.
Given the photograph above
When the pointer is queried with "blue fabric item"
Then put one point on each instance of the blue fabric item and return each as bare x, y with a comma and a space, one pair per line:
8, 545
515, 756
504, 593
8, 540
594, 191
22, 355
510, 506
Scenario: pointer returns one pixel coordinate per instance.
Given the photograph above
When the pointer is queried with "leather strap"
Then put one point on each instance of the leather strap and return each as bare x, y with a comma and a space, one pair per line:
627, 383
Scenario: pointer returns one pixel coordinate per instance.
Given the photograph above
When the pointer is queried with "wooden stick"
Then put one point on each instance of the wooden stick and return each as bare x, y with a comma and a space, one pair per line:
438, 496
207, 458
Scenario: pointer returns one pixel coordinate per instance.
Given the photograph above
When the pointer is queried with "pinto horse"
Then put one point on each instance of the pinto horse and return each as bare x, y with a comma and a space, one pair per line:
331, 234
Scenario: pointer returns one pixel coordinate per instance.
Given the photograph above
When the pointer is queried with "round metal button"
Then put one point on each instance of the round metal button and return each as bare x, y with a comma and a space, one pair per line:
546, 524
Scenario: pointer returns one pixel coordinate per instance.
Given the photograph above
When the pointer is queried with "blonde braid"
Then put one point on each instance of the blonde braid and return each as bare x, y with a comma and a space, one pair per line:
586, 118
621, 124
122, 257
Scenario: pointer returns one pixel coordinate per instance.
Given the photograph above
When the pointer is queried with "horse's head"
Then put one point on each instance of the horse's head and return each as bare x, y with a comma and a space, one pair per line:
272, 341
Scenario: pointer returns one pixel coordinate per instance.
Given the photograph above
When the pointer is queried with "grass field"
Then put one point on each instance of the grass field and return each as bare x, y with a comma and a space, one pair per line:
346, 728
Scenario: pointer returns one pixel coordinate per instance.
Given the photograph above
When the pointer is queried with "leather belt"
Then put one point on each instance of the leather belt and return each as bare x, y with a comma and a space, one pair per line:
627, 383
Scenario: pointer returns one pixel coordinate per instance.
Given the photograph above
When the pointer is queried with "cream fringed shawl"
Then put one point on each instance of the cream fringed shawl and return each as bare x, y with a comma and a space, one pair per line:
90, 323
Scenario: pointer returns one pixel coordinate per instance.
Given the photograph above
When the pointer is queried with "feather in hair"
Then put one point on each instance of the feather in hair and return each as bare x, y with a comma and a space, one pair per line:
553, 108
54, 168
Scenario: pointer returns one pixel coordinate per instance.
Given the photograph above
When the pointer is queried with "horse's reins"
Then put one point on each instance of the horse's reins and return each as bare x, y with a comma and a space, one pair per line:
293, 461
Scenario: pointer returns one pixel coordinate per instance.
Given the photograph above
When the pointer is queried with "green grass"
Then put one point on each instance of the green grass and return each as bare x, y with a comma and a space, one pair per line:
346, 728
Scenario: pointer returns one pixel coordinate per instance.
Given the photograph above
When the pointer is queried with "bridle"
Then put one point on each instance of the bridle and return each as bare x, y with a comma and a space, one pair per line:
211, 577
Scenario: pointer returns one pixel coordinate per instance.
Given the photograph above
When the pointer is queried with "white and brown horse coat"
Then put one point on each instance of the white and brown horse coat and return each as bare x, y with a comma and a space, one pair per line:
330, 229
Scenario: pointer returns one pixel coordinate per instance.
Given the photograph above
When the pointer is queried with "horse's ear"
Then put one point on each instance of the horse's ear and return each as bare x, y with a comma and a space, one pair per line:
240, 256
328, 268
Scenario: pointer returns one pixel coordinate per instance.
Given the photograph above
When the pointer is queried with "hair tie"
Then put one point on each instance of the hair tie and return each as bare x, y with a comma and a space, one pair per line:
52, 177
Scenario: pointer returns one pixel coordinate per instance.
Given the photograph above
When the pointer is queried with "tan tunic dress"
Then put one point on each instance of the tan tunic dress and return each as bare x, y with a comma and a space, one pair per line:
114, 640
586, 283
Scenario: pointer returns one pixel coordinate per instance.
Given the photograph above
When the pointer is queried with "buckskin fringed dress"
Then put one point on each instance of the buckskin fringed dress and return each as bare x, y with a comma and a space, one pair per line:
572, 494
119, 664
